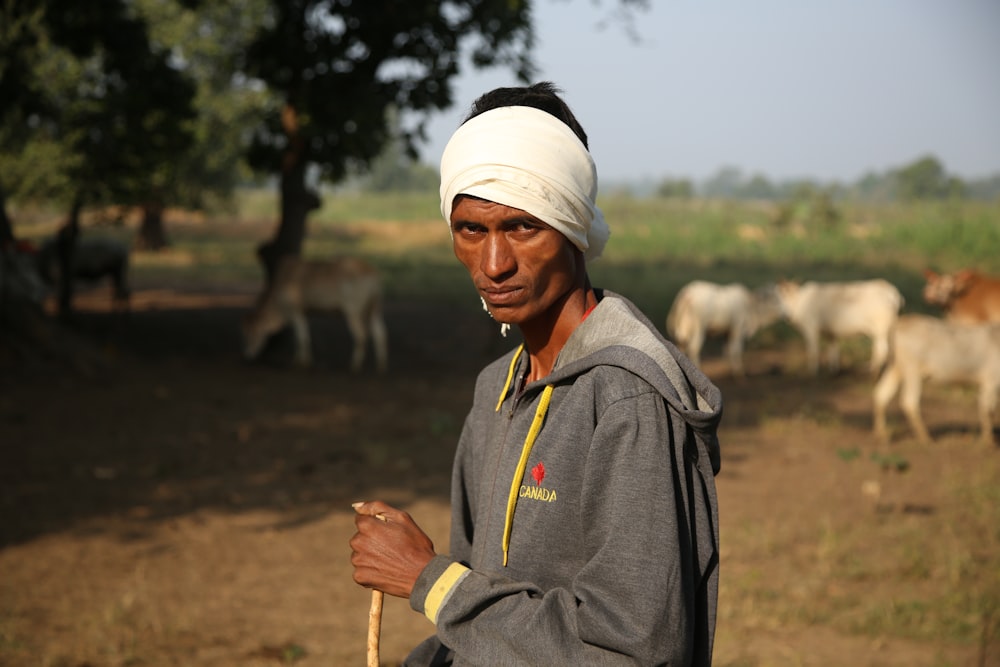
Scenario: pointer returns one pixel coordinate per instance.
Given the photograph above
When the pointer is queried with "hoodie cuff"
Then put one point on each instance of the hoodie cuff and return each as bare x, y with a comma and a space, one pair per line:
435, 584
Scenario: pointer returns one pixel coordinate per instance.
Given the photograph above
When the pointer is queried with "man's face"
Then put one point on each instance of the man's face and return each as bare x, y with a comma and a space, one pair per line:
520, 265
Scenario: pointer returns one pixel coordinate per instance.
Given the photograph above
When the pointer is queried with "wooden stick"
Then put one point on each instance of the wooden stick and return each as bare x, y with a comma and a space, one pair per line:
375, 620
374, 628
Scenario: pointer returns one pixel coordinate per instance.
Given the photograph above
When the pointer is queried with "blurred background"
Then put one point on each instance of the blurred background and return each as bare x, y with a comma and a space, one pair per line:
166, 500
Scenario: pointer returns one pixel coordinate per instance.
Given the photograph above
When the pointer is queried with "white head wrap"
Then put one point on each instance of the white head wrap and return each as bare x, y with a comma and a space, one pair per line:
527, 159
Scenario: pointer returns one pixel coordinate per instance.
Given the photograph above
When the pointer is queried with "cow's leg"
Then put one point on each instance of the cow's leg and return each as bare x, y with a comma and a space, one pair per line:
380, 339
833, 355
885, 389
812, 350
880, 352
987, 408
303, 343
695, 344
734, 350
359, 333
910, 402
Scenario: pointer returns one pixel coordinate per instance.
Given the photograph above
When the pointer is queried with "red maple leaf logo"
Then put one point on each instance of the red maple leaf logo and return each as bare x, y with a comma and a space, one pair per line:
538, 473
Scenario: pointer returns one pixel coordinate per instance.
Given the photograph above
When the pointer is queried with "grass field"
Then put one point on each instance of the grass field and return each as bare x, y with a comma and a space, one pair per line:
658, 244
133, 522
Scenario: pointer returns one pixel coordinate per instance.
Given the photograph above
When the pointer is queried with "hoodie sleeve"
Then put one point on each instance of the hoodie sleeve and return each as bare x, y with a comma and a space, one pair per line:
462, 499
634, 601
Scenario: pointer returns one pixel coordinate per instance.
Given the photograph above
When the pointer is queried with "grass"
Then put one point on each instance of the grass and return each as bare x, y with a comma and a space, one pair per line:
944, 589
656, 247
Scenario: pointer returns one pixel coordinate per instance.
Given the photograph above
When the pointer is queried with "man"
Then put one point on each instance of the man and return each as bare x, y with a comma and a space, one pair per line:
584, 514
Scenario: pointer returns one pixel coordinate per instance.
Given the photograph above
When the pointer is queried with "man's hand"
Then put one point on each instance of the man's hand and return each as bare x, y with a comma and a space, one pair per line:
388, 554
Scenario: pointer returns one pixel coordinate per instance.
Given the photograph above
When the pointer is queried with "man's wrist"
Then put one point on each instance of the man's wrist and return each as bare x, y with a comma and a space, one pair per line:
435, 585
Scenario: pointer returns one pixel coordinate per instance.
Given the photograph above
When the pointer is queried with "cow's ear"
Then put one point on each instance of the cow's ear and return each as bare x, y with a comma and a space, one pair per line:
963, 278
929, 275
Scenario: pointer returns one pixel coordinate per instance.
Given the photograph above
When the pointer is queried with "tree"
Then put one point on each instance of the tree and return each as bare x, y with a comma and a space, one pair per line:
340, 67
676, 188
87, 80
926, 178
85, 89
322, 75
21, 39
986, 189
725, 183
139, 123
808, 205
758, 187
209, 44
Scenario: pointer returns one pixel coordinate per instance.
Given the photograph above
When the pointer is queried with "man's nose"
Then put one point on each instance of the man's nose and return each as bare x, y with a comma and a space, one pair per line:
498, 258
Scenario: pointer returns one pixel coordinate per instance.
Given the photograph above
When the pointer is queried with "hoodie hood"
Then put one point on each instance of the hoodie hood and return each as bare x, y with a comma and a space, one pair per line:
617, 333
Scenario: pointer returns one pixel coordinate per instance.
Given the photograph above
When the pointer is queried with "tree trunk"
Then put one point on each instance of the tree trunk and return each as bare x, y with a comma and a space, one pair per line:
6, 228
66, 239
297, 200
152, 235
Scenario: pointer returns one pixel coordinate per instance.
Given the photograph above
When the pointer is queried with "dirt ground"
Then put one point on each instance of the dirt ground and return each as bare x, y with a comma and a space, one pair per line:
170, 504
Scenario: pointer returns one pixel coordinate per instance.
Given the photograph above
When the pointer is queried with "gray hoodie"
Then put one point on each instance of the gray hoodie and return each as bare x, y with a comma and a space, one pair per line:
584, 513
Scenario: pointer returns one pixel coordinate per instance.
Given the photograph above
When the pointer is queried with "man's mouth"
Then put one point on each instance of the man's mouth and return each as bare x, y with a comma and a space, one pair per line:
502, 296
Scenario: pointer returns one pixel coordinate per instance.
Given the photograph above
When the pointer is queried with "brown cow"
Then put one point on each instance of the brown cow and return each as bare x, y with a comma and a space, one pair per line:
346, 284
966, 296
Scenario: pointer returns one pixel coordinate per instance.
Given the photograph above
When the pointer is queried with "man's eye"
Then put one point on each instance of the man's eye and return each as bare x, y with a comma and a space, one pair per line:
467, 229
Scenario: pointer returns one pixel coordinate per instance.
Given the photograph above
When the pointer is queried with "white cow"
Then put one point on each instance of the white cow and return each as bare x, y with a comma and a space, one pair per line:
926, 347
703, 309
349, 285
838, 310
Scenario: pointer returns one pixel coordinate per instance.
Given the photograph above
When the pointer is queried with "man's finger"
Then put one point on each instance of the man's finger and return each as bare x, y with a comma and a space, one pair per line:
369, 509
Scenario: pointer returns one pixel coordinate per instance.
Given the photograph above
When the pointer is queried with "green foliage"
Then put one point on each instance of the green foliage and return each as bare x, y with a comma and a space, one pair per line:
292, 653
808, 207
340, 208
656, 245
108, 101
679, 188
342, 67
891, 462
84, 85
39, 169
394, 170
714, 233
848, 454
926, 179
210, 41
984, 189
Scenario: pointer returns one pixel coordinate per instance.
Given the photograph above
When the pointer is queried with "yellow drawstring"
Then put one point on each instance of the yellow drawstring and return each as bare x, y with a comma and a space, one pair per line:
515, 484
510, 376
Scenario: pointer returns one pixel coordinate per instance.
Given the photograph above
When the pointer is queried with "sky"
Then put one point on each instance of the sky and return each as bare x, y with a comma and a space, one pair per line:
827, 90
